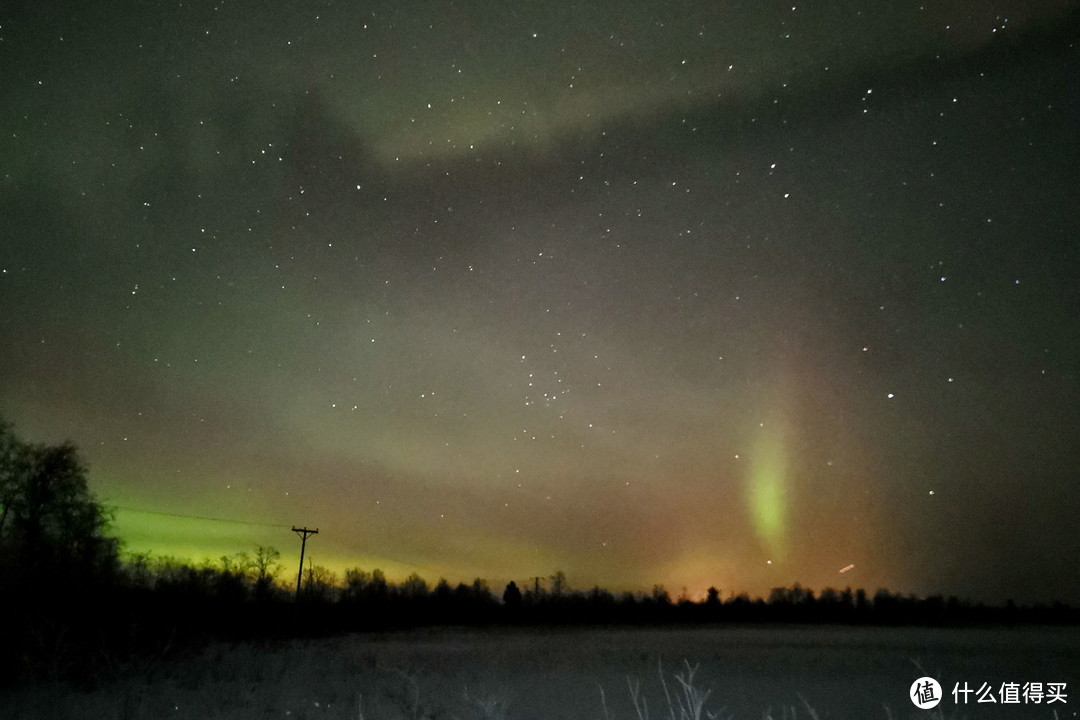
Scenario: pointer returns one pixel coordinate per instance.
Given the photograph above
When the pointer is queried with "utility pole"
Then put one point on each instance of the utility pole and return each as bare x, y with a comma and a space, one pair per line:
303, 533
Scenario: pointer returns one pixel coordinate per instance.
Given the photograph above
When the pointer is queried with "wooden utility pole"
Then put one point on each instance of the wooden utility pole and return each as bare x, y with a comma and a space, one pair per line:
303, 533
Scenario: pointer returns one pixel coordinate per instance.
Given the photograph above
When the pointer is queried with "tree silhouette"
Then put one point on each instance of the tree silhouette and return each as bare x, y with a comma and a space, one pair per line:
357, 582
320, 583
512, 596
559, 585
238, 563
415, 588
52, 529
266, 567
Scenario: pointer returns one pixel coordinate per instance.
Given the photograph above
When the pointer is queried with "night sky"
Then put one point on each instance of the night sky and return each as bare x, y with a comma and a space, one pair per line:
692, 293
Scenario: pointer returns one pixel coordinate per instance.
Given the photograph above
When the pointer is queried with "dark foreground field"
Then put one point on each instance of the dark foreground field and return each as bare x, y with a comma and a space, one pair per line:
747, 672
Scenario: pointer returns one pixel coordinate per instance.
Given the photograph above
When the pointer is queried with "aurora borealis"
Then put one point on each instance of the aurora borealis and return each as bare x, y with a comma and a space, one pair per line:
730, 294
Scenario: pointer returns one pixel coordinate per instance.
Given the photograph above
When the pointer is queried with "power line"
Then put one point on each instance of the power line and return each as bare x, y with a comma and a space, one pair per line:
198, 517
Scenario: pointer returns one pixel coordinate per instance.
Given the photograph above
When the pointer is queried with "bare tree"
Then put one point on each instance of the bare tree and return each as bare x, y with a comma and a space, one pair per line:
320, 583
236, 564
414, 587
265, 564
559, 586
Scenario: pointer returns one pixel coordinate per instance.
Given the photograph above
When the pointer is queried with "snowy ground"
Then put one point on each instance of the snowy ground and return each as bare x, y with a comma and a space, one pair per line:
753, 673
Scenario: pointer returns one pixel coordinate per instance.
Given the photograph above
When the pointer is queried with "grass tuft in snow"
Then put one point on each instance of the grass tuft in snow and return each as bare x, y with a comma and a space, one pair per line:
685, 701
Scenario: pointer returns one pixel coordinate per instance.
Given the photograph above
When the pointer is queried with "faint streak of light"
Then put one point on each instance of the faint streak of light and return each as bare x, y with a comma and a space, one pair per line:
194, 517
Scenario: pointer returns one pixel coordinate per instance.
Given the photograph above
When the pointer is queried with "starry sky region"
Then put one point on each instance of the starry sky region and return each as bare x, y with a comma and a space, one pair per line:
692, 293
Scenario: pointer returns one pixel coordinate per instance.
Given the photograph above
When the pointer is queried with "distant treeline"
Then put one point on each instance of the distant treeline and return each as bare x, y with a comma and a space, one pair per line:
151, 610
72, 608
362, 600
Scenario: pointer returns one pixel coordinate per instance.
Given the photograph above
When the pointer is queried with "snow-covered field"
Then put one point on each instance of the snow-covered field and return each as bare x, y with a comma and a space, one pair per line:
749, 672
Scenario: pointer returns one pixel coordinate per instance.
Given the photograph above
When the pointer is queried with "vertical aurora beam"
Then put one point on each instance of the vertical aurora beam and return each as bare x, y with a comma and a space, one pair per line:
767, 491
